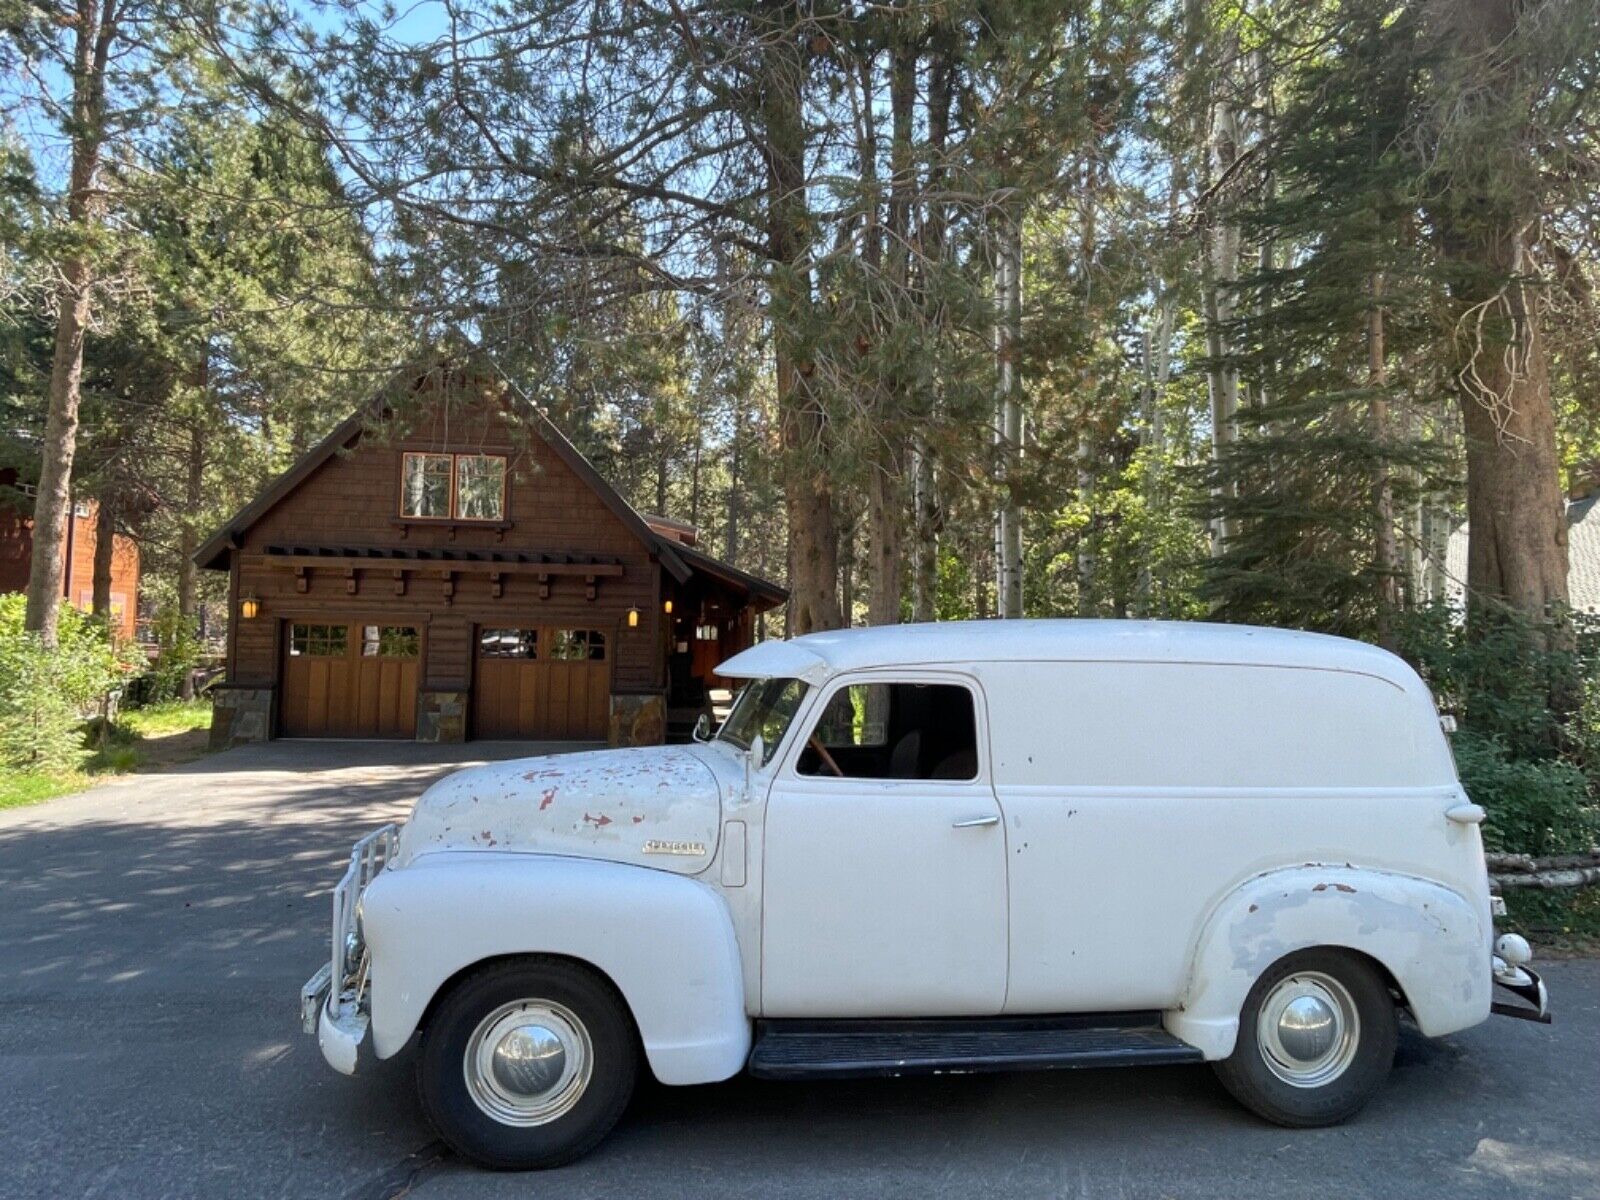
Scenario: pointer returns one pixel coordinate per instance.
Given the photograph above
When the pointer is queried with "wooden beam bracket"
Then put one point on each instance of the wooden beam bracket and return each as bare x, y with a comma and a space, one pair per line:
302, 578
544, 585
449, 578
588, 587
399, 582
496, 587
352, 582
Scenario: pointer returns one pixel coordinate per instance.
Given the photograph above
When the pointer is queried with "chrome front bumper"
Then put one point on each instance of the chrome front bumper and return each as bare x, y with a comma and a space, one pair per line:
333, 1002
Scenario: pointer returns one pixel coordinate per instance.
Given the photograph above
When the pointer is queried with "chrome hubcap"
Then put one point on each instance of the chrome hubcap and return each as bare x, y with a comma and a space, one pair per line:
528, 1062
1308, 1030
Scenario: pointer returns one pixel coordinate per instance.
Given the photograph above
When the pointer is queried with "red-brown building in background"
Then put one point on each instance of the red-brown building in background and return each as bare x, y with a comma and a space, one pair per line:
16, 551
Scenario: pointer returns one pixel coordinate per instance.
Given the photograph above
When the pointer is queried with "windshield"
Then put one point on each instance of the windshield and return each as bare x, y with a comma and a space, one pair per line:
765, 707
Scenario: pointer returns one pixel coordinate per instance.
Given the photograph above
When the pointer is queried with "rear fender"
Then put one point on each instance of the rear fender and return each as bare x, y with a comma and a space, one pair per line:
666, 942
1429, 938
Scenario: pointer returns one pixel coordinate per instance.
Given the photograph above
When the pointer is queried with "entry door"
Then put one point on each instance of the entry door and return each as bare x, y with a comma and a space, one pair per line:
355, 681
883, 897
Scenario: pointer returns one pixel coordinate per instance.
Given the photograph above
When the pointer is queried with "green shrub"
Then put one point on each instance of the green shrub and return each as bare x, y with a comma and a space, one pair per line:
1534, 767
1535, 806
178, 651
1498, 677
46, 693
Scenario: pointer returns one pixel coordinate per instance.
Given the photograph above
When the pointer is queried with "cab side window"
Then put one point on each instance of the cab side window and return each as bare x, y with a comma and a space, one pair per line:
894, 731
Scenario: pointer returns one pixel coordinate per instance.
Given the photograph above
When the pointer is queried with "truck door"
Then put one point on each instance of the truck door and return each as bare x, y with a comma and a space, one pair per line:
885, 857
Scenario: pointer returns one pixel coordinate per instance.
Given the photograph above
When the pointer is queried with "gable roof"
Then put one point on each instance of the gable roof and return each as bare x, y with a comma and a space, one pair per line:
213, 554
764, 589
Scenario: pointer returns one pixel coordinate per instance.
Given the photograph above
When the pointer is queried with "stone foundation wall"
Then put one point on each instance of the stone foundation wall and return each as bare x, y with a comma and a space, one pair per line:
240, 715
638, 720
441, 716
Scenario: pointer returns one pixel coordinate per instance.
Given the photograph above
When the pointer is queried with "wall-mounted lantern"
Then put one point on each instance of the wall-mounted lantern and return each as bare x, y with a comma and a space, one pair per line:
633, 618
249, 608
667, 607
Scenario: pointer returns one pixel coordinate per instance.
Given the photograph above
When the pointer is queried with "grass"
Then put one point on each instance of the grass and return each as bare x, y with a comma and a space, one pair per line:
172, 716
142, 739
27, 787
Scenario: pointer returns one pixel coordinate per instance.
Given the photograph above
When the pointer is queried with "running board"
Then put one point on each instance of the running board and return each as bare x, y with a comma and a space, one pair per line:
859, 1049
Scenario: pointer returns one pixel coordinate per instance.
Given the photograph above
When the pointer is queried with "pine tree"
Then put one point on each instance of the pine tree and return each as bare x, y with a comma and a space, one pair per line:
1328, 335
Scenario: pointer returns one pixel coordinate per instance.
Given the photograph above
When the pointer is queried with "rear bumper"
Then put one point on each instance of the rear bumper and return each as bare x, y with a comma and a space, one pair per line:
1533, 1001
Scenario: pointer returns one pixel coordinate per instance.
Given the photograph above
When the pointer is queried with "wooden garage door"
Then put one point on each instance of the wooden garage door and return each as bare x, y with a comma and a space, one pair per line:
350, 680
542, 682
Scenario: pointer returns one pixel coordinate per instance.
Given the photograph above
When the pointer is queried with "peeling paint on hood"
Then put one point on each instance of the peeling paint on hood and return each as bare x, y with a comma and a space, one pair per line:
656, 806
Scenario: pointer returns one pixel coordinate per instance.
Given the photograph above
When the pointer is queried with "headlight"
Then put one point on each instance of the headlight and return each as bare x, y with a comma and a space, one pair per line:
352, 951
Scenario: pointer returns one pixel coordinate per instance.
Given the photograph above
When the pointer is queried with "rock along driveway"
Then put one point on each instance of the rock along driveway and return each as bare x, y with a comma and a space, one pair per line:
154, 934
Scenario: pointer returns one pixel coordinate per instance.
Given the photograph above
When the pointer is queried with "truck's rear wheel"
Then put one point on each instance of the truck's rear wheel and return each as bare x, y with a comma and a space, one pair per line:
1316, 1039
527, 1064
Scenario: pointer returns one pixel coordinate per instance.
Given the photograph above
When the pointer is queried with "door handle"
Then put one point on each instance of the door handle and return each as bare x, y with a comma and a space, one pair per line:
976, 822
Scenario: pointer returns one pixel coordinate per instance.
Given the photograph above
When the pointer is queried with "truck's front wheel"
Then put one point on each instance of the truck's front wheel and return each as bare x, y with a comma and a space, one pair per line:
527, 1064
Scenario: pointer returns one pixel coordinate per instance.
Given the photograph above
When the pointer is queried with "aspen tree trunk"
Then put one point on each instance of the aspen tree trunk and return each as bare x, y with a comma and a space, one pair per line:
92, 35
1436, 535
926, 517
1219, 274
1084, 457
845, 521
1438, 519
808, 495
694, 470
886, 486
1412, 554
1008, 416
925, 533
1156, 345
730, 545
1085, 562
1155, 356
1385, 556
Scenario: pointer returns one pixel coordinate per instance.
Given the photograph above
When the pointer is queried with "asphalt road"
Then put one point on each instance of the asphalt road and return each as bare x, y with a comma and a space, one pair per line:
154, 935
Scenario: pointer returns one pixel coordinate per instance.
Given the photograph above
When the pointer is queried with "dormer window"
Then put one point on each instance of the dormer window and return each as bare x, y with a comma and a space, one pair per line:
461, 487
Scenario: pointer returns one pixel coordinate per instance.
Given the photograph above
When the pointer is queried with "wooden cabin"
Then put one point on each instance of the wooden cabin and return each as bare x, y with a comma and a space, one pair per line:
447, 565
77, 555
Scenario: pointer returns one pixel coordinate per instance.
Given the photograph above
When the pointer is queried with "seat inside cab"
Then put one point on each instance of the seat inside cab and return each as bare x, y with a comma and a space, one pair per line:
894, 731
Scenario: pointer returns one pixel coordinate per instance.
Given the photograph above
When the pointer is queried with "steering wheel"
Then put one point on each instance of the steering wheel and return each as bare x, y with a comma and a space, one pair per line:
827, 759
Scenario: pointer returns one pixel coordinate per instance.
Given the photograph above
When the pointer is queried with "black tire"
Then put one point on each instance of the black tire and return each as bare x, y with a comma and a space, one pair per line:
612, 1053
1254, 1081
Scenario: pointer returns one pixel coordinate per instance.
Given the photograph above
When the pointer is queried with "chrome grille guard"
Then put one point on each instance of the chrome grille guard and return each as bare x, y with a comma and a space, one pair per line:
347, 964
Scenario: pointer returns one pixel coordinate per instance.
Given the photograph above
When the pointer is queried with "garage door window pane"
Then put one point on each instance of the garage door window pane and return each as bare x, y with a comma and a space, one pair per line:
425, 488
577, 645
508, 643
389, 641
480, 487
317, 641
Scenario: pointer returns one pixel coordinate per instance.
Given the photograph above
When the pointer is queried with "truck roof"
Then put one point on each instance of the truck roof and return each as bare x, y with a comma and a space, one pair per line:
817, 656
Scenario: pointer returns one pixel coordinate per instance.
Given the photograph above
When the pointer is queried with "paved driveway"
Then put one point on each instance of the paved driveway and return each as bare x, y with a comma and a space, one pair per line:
154, 934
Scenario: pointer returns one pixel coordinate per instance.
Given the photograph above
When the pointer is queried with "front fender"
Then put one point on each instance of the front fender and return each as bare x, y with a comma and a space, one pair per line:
1428, 937
665, 941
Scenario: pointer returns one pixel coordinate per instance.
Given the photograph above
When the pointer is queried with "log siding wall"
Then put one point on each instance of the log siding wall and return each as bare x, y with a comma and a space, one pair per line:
352, 501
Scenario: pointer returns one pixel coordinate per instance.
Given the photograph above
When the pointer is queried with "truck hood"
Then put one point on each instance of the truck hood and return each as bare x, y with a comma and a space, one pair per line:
657, 806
